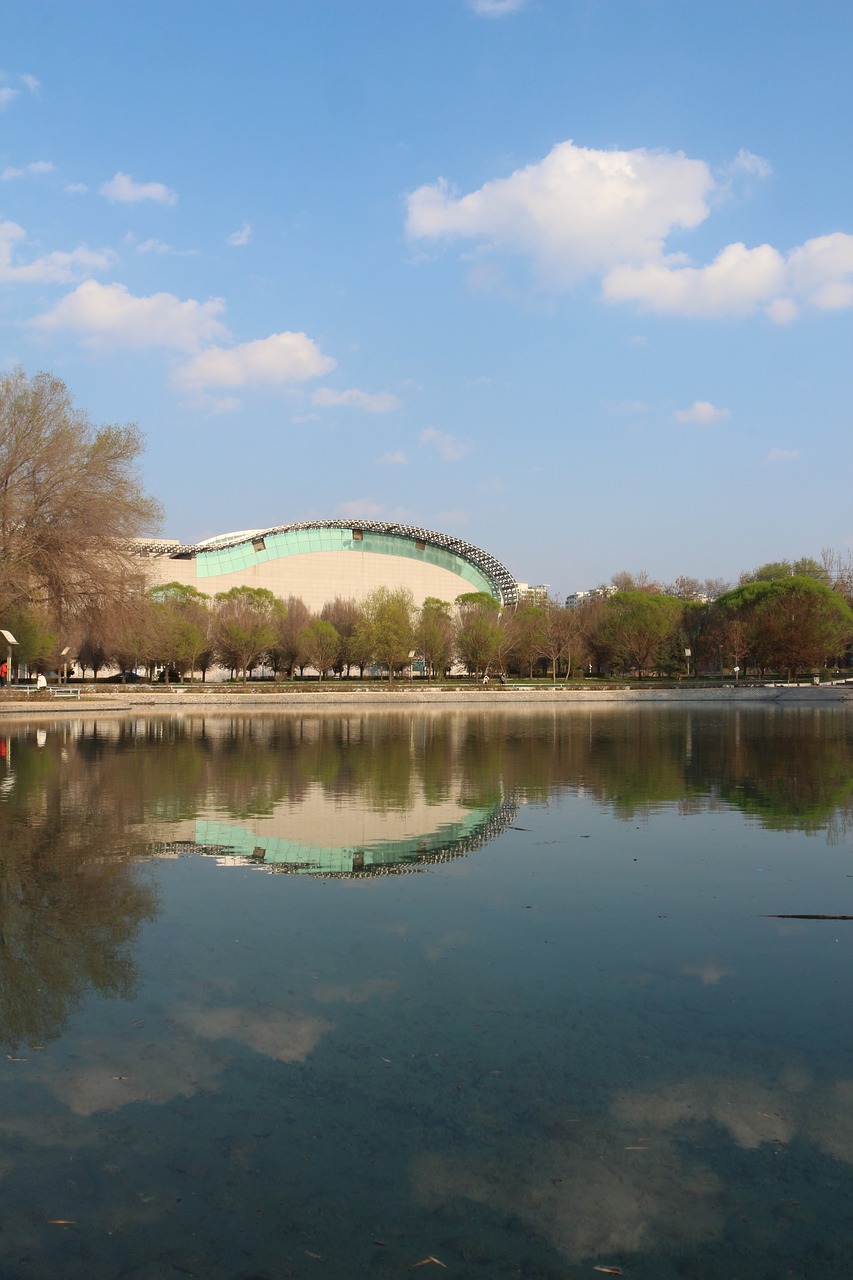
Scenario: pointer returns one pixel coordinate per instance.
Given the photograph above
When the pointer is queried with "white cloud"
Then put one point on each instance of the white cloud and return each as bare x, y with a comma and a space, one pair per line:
7, 95
749, 163
153, 246
737, 282
31, 83
215, 405
36, 168
241, 237
576, 212
581, 212
273, 361
397, 458
369, 401
702, 413
447, 446
495, 8
51, 268
821, 271
76, 188
782, 455
359, 509
109, 315
782, 310
123, 190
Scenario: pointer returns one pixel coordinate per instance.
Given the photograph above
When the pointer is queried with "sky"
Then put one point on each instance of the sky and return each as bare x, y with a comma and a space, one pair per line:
569, 279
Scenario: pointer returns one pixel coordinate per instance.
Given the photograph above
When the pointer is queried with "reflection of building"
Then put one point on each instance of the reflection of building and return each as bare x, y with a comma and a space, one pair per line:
380, 853
322, 559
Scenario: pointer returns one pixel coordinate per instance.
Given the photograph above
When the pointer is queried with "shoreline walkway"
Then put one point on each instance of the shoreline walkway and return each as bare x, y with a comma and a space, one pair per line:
190, 698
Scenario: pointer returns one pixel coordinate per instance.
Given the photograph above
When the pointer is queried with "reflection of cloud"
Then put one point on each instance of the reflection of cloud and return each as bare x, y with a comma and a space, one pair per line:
286, 1037
447, 942
355, 992
116, 1075
832, 1120
752, 1113
708, 974
629, 1181
586, 1195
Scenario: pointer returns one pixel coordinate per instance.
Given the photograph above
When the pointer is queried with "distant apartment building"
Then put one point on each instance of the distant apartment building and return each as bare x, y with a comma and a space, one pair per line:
578, 598
532, 595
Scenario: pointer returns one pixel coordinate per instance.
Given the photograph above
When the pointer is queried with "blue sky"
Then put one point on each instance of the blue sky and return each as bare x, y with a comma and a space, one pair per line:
571, 280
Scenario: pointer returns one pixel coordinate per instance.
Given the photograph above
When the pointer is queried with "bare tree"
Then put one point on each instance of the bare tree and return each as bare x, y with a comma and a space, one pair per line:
344, 616
481, 639
526, 627
286, 651
70, 499
560, 635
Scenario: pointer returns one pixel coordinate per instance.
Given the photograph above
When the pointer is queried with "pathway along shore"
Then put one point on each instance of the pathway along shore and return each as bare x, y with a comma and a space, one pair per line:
94, 700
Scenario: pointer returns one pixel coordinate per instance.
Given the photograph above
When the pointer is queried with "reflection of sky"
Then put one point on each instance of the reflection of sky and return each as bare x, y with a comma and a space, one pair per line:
583, 1044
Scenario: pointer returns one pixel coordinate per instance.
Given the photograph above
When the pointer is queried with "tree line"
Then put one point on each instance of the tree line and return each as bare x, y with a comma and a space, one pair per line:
790, 625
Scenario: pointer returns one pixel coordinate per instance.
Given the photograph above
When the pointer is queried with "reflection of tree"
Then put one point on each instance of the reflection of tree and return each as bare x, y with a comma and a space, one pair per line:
70, 902
70, 811
788, 767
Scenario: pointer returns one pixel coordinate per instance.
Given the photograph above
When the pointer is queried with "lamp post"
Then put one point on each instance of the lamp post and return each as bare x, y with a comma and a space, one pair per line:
10, 640
63, 653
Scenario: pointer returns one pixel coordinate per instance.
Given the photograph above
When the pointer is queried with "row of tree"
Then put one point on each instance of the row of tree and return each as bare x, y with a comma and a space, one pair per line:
787, 625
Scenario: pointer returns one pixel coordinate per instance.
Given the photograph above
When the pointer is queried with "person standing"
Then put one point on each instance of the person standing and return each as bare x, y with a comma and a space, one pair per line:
3, 674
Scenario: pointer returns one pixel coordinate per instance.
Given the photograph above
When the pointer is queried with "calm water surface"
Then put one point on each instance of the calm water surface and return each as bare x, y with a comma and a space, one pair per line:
334, 995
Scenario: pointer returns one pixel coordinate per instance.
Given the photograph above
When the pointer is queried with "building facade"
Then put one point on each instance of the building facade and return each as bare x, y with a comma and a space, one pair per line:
321, 559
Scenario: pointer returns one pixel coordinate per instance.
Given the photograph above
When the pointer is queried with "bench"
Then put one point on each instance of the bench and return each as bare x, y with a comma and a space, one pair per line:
64, 691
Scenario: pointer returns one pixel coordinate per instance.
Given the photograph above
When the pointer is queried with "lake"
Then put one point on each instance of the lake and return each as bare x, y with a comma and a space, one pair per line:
492, 994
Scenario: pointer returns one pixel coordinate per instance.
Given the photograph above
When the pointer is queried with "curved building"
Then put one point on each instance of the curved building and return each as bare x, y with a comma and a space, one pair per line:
321, 559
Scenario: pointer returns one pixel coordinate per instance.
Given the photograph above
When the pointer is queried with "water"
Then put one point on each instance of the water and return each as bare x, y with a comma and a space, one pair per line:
236, 1043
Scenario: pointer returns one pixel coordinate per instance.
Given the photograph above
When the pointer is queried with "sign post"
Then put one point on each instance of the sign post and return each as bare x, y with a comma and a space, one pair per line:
10, 640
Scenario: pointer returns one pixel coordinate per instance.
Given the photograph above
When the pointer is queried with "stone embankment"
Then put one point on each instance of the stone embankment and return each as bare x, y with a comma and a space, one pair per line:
130, 698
